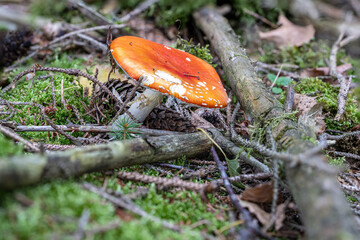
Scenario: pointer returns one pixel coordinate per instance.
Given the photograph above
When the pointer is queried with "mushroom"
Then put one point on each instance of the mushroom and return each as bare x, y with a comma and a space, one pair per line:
167, 70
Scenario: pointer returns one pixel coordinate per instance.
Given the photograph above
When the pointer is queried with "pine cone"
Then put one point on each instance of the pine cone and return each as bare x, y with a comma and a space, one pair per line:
122, 87
14, 45
167, 119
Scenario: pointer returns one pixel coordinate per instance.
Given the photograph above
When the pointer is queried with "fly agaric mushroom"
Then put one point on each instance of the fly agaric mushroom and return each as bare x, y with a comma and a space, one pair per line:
168, 71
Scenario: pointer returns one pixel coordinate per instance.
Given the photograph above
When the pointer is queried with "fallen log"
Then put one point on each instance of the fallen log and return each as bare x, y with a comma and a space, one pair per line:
25, 170
324, 210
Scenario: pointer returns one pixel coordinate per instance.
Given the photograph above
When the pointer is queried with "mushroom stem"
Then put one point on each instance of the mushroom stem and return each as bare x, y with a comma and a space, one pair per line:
144, 103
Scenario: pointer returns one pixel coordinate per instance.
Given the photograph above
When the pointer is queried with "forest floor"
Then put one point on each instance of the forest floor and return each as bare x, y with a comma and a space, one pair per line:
307, 56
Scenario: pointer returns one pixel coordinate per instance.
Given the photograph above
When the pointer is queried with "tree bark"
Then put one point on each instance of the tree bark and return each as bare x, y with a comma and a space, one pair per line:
324, 210
24, 170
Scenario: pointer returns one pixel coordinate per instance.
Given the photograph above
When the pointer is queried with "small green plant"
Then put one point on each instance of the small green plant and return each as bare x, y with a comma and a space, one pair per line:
124, 128
351, 199
196, 50
280, 82
336, 161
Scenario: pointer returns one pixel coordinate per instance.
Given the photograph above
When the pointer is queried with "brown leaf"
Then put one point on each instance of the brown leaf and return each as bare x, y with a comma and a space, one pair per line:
288, 34
261, 193
260, 214
124, 215
324, 71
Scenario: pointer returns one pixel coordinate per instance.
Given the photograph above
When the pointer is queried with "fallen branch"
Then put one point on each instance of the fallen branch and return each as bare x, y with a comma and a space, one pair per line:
91, 128
30, 169
8, 132
321, 218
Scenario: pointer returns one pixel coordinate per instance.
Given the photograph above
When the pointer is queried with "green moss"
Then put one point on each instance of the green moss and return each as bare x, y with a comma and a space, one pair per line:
196, 50
146, 229
258, 7
185, 206
40, 91
168, 12
309, 55
327, 94
8, 147
176, 207
55, 210
128, 4
48, 8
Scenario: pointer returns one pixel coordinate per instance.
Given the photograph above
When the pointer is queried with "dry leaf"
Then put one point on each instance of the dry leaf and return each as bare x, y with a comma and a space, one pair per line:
288, 34
52, 30
262, 193
103, 72
280, 215
310, 111
324, 71
260, 214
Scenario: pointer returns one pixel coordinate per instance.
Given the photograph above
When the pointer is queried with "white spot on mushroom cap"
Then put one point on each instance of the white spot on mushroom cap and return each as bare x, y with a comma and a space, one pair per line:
185, 97
147, 79
204, 104
167, 47
201, 84
188, 59
213, 88
167, 77
177, 88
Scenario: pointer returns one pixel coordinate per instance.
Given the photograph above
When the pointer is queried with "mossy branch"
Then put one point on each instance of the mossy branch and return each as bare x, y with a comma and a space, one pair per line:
30, 169
317, 193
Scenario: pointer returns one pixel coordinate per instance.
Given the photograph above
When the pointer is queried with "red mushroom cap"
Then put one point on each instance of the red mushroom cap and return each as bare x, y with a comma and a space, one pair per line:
170, 71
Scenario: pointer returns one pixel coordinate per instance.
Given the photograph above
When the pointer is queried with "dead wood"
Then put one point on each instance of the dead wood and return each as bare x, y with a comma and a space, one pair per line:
30, 169
324, 210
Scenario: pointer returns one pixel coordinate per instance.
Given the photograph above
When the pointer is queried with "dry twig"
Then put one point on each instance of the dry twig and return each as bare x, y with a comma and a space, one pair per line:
8, 132
129, 205
252, 226
343, 81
